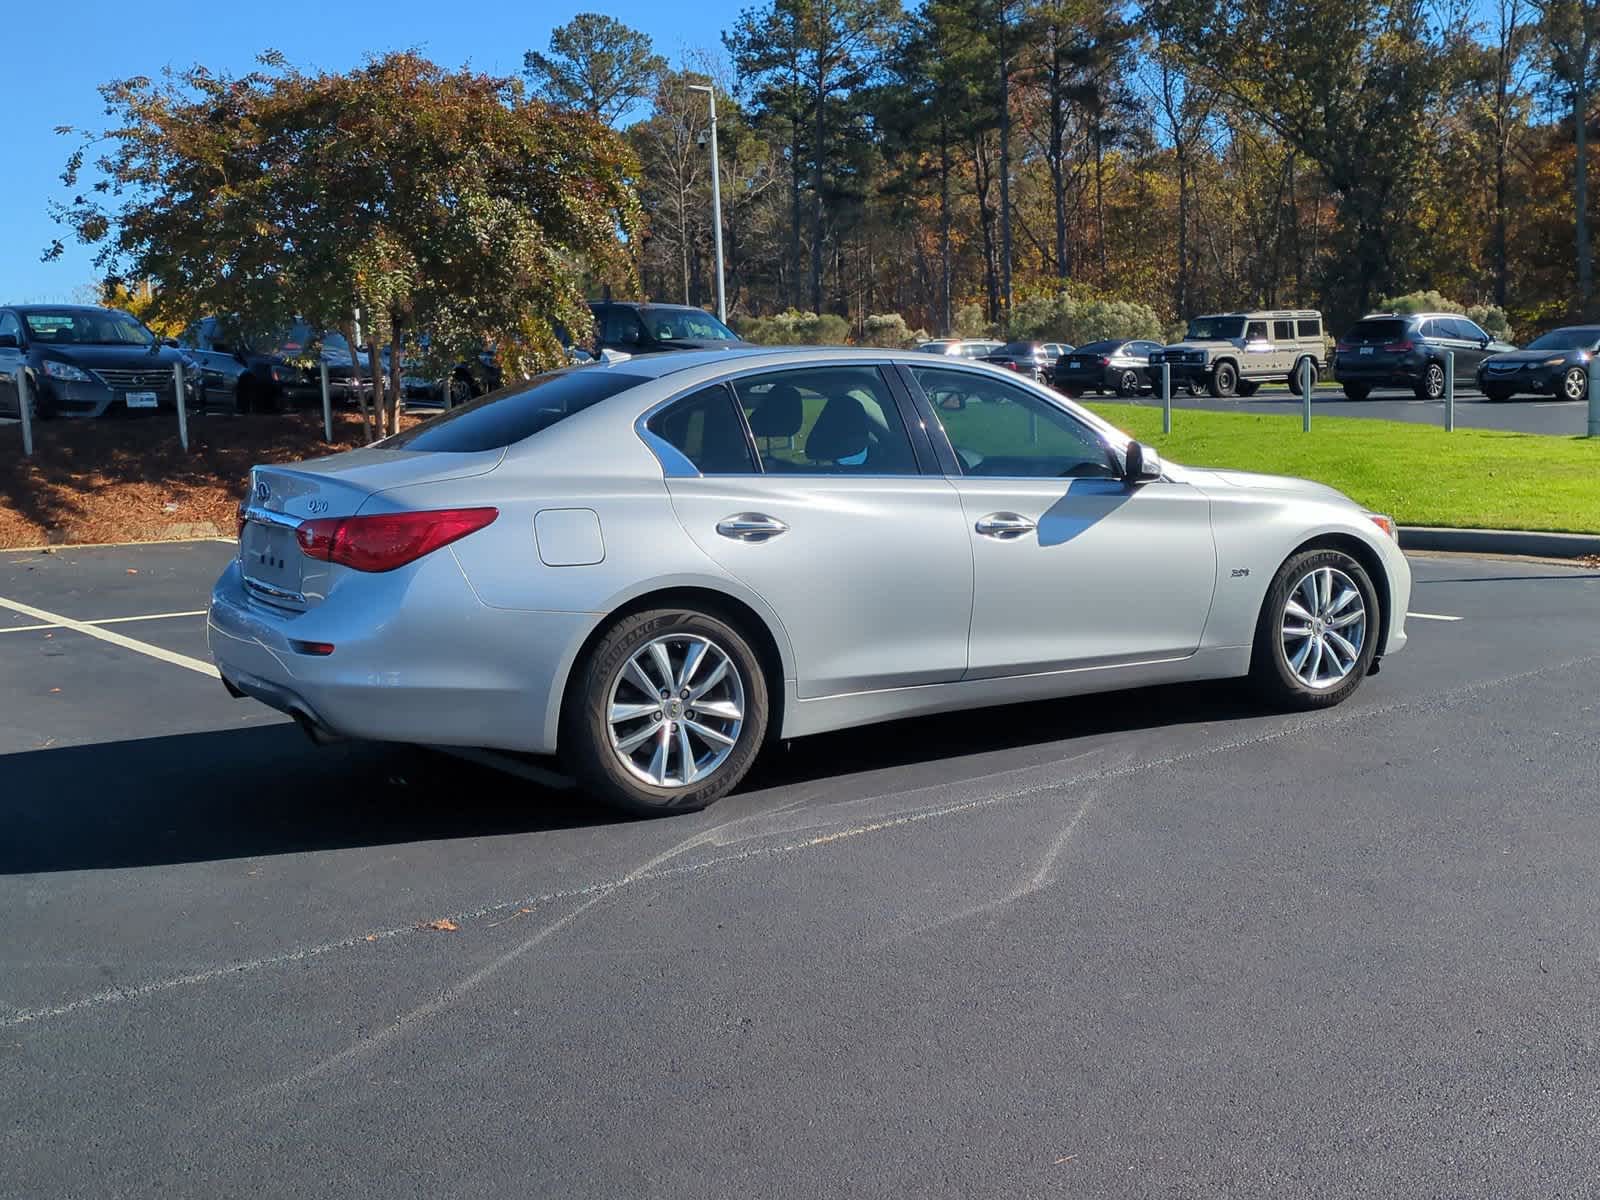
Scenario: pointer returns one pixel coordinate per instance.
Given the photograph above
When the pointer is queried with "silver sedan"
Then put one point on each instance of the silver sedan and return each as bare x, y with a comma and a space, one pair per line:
652, 567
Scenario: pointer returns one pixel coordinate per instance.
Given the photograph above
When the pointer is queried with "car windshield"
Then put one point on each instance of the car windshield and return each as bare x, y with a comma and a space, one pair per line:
1099, 347
515, 412
1567, 339
674, 324
1215, 329
69, 327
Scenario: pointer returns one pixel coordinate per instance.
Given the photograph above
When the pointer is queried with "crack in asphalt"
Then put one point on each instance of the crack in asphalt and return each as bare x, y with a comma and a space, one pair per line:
651, 871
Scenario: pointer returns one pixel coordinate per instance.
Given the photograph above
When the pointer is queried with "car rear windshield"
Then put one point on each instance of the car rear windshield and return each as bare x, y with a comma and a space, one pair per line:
1018, 348
1099, 348
1377, 331
513, 413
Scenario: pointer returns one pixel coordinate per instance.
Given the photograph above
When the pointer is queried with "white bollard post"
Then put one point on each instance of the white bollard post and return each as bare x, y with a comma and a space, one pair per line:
25, 411
1449, 391
327, 406
1307, 386
1166, 397
1594, 397
183, 405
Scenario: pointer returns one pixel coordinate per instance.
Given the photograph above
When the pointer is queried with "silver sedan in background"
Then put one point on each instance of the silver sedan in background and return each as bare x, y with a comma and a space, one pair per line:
654, 566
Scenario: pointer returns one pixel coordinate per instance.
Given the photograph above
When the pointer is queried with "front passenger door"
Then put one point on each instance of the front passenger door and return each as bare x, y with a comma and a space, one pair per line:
1072, 567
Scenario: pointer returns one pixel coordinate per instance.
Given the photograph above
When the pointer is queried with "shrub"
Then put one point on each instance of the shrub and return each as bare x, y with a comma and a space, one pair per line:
1491, 318
891, 331
969, 322
1069, 316
794, 328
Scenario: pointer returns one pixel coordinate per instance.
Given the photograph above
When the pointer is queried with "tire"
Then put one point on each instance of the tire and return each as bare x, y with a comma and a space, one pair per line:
1072, 393
1224, 379
1128, 384
595, 752
1356, 391
1498, 394
1575, 384
1322, 680
1293, 379
1431, 385
1248, 387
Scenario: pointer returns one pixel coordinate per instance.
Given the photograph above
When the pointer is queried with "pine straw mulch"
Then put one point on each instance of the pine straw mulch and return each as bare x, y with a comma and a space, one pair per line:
127, 479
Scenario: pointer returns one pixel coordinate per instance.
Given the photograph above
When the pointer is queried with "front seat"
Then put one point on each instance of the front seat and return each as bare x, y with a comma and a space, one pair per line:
839, 438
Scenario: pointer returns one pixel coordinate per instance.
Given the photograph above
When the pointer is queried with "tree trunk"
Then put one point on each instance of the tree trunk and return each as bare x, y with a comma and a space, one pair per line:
375, 369
348, 329
1056, 155
1181, 292
982, 179
944, 225
816, 194
1580, 186
396, 388
1099, 199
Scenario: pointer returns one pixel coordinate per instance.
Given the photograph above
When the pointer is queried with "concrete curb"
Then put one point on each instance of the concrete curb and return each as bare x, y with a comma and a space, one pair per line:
1529, 543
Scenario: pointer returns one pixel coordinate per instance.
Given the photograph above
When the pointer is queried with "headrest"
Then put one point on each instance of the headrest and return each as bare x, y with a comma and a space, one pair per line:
780, 413
840, 432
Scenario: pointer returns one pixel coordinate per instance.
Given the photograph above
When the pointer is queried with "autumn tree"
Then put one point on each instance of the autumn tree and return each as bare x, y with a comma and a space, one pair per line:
596, 64
437, 202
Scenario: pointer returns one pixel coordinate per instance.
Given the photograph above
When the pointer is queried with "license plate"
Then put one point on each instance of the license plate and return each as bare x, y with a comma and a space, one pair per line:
270, 556
1366, 349
141, 399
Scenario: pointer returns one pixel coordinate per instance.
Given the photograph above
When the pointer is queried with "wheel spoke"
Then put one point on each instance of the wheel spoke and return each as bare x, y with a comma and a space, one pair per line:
636, 675
1343, 602
686, 770
631, 712
712, 736
1315, 665
691, 662
1339, 664
1349, 618
1298, 662
725, 709
658, 760
1296, 631
1308, 585
710, 681
663, 663
1345, 646
634, 740
1297, 610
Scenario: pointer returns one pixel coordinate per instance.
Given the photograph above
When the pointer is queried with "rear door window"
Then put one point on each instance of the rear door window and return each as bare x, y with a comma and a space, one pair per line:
707, 430
513, 413
1283, 331
826, 421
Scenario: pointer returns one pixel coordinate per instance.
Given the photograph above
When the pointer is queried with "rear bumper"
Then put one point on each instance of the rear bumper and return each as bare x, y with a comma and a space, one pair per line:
1094, 379
417, 658
1382, 374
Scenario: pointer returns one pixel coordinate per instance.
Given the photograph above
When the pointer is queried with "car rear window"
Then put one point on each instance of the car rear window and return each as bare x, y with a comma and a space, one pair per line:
516, 412
1377, 331
1099, 348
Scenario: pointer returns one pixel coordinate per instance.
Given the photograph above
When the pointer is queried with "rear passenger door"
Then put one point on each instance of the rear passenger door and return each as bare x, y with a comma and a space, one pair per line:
821, 505
1468, 345
1258, 350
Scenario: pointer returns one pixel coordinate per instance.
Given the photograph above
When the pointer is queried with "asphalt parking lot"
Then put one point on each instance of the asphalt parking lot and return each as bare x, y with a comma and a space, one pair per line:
1524, 414
1156, 944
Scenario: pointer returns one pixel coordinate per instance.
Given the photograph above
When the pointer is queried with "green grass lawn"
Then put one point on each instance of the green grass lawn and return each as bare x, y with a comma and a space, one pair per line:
1420, 475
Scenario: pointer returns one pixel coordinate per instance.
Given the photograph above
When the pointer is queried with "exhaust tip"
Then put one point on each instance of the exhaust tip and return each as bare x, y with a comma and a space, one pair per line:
318, 734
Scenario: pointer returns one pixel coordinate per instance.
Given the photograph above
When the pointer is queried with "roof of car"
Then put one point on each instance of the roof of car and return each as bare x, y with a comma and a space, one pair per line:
87, 308
656, 365
650, 304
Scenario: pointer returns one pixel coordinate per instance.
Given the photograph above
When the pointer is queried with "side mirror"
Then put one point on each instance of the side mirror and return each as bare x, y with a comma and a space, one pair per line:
1483, 343
170, 341
1141, 465
8, 341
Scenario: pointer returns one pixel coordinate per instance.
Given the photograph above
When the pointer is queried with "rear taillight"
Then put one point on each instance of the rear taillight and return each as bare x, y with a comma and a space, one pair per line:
384, 541
1105, 362
1345, 346
1400, 347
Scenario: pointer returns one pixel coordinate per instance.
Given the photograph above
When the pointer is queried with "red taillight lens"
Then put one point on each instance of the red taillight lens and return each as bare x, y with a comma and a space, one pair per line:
1345, 346
385, 541
1105, 362
1399, 347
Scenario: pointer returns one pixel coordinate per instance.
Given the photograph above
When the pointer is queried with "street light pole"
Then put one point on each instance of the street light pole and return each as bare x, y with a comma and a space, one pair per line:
716, 196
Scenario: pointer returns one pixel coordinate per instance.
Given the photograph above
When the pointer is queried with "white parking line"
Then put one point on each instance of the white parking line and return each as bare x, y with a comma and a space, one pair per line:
199, 612
1431, 617
116, 639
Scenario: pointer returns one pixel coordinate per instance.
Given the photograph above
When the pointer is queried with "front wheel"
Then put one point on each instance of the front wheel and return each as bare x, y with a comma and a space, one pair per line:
1224, 380
1317, 633
666, 714
1575, 384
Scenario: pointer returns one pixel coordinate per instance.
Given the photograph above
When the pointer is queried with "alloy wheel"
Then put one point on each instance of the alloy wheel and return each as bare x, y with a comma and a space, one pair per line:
1324, 627
1575, 384
1435, 381
675, 709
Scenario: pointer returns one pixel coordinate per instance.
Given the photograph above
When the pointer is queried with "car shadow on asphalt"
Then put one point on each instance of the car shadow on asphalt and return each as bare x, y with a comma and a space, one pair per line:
265, 790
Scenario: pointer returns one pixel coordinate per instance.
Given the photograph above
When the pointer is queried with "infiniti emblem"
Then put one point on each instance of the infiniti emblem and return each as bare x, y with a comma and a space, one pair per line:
263, 492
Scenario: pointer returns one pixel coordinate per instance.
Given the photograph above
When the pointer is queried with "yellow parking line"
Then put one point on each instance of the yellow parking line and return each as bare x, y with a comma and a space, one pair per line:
116, 639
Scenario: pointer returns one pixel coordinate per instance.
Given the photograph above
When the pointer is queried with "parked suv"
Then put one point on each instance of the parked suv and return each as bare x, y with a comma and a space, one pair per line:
1235, 353
1408, 350
645, 328
1556, 364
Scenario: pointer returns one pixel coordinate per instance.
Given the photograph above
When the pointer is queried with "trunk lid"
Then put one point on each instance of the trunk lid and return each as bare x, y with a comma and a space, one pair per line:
281, 497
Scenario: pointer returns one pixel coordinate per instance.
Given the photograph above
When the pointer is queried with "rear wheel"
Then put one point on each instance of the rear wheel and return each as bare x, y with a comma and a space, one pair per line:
1317, 633
1356, 391
666, 714
1431, 385
1224, 380
1128, 383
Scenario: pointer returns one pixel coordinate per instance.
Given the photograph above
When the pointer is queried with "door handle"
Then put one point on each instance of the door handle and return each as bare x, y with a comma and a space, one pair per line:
751, 527
1004, 525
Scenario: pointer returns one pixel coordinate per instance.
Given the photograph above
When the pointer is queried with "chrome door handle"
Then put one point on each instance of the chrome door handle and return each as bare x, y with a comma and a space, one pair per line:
1004, 525
751, 527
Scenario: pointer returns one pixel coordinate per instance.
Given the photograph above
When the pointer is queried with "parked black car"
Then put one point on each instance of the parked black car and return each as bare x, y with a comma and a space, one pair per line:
1555, 364
1408, 350
284, 366
83, 361
1037, 359
1116, 366
634, 328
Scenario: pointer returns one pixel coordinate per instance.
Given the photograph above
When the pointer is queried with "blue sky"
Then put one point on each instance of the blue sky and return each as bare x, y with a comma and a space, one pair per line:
58, 56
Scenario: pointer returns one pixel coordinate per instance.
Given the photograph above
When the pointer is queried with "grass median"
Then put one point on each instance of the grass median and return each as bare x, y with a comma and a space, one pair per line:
1419, 474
